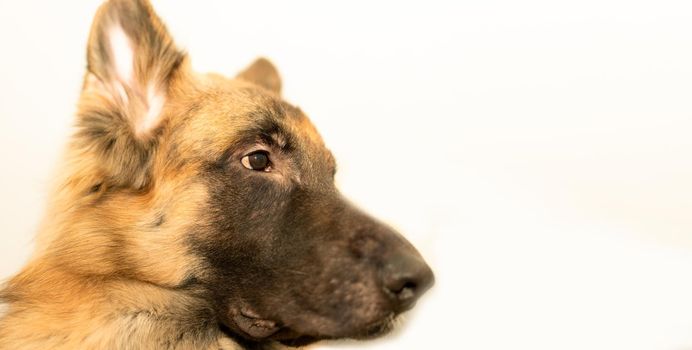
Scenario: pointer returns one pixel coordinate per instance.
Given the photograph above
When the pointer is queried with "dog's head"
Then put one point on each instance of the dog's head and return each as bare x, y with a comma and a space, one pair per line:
217, 186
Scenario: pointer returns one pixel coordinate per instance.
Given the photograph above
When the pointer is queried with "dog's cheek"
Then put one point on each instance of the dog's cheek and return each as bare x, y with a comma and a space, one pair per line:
236, 235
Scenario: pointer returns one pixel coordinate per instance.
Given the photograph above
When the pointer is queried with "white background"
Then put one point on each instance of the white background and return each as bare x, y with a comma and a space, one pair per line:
539, 153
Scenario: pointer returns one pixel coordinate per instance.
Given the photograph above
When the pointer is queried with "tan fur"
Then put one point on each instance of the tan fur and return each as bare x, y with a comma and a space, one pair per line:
105, 274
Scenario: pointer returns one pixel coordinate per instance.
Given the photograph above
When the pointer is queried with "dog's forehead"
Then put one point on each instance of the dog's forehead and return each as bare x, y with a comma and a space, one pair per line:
218, 112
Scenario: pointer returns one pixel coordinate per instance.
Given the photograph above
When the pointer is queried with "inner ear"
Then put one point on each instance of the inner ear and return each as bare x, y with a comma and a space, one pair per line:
262, 73
131, 59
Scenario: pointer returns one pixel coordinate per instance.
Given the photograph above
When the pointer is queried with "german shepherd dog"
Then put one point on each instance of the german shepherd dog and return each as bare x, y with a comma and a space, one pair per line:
195, 211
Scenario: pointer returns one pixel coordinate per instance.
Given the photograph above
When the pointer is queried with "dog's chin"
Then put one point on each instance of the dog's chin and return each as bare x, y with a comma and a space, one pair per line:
373, 330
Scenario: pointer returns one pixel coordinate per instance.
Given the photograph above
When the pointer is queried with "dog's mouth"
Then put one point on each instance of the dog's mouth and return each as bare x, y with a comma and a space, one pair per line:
253, 325
255, 328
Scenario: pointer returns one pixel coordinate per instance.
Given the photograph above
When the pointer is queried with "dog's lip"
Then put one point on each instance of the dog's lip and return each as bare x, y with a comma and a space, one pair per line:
256, 327
378, 328
253, 324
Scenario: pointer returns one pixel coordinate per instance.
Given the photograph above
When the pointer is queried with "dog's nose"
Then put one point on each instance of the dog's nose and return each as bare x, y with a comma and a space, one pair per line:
406, 278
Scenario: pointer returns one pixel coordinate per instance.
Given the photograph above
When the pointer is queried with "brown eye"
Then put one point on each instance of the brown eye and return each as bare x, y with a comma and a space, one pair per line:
256, 161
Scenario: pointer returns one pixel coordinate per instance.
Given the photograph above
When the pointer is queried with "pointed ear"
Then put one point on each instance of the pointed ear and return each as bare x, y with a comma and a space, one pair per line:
262, 73
131, 59
132, 63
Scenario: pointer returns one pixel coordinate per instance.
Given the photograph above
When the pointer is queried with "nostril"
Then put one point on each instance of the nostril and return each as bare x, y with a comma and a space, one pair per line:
402, 288
407, 292
403, 293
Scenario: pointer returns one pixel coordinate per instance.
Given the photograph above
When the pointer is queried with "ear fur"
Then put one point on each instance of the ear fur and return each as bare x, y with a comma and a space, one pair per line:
262, 73
131, 61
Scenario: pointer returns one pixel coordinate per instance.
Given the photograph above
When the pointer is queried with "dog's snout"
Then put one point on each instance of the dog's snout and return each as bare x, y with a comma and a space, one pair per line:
402, 276
405, 279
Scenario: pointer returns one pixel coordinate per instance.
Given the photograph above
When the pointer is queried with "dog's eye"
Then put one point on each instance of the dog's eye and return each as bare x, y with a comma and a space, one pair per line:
256, 161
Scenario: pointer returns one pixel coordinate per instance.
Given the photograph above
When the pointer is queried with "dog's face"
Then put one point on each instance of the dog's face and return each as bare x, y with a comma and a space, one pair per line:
218, 187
